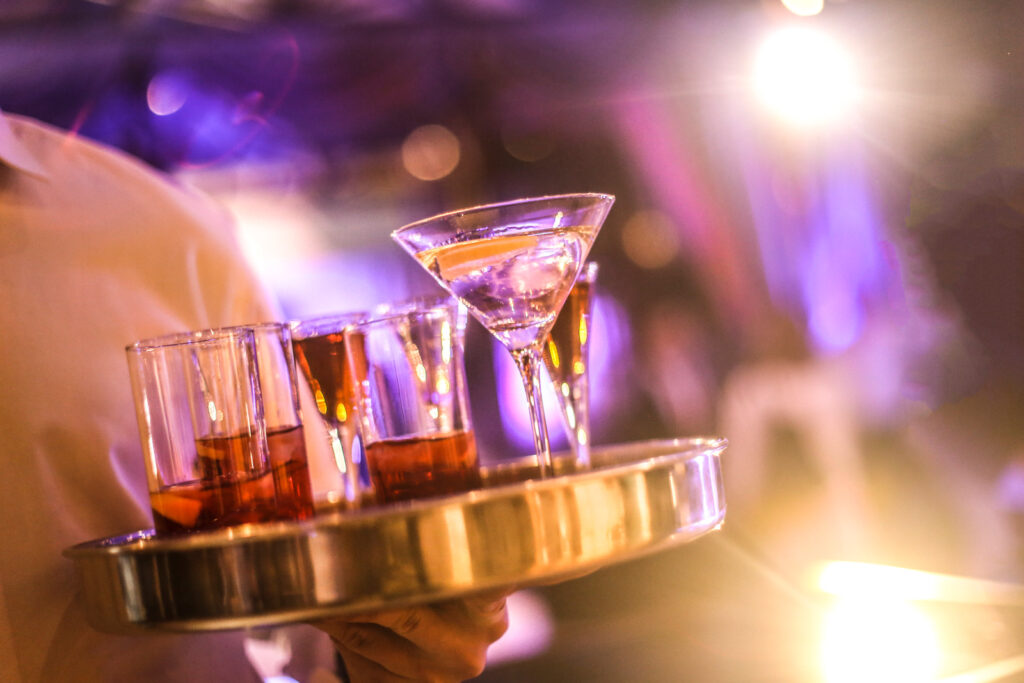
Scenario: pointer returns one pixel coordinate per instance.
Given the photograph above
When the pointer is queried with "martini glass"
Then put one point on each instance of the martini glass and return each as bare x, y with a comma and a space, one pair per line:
513, 264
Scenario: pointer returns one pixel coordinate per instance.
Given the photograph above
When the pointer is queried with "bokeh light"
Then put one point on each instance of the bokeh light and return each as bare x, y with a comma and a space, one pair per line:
804, 76
650, 239
430, 152
167, 92
526, 146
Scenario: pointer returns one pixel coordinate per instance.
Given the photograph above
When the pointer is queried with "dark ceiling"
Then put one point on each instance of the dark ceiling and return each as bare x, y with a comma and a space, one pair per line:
336, 75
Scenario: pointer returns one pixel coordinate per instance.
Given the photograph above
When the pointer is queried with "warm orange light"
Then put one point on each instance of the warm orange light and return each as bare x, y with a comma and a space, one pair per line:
650, 239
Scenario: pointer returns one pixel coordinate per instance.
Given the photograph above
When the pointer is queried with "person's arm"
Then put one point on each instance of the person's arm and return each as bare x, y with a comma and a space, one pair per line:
442, 642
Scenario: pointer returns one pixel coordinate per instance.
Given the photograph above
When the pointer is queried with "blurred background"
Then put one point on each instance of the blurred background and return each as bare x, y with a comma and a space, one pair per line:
814, 252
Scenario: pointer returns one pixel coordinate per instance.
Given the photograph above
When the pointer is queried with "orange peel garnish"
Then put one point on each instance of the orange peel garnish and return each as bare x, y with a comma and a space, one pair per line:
456, 260
179, 509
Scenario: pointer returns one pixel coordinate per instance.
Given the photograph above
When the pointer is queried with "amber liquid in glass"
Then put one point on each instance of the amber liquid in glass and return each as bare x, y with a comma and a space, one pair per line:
566, 357
290, 468
327, 363
565, 346
324, 363
228, 493
422, 467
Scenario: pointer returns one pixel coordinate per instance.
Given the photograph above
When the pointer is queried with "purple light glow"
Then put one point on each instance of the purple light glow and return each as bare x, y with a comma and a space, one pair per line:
680, 187
842, 277
819, 237
340, 282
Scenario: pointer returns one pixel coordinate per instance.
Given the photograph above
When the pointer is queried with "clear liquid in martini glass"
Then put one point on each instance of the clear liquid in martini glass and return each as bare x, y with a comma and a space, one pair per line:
514, 284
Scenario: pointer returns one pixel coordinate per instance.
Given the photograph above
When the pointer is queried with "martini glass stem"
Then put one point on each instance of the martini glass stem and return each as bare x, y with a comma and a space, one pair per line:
529, 361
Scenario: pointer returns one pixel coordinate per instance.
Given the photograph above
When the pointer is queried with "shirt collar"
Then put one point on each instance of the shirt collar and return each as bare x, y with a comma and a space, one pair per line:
14, 153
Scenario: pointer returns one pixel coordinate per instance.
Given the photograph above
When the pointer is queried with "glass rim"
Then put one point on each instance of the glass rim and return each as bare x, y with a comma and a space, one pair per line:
599, 196
447, 305
304, 328
200, 337
414, 304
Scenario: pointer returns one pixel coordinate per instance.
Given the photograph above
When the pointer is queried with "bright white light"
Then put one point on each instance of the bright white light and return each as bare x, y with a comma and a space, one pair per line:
804, 76
277, 231
853, 579
804, 8
883, 641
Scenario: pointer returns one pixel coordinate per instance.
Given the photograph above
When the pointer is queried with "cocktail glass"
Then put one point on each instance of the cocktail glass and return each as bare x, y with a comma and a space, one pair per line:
513, 264
567, 358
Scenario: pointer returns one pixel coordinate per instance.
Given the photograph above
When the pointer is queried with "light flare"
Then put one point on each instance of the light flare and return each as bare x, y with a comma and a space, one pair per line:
879, 639
806, 77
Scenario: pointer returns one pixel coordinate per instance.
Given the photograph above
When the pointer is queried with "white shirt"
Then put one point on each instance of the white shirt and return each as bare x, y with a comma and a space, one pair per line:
96, 251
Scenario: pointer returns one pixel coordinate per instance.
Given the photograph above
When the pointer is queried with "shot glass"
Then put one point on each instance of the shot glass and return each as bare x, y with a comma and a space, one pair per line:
286, 443
423, 303
413, 403
200, 416
567, 360
322, 354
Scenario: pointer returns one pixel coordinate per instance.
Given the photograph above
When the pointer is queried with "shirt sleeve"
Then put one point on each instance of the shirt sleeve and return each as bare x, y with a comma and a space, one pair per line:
94, 254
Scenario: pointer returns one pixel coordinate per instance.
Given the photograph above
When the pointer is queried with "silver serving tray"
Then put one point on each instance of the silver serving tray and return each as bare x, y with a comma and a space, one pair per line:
515, 531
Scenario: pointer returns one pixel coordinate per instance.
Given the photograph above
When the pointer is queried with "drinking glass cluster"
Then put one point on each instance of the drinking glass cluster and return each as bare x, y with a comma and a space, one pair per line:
384, 392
